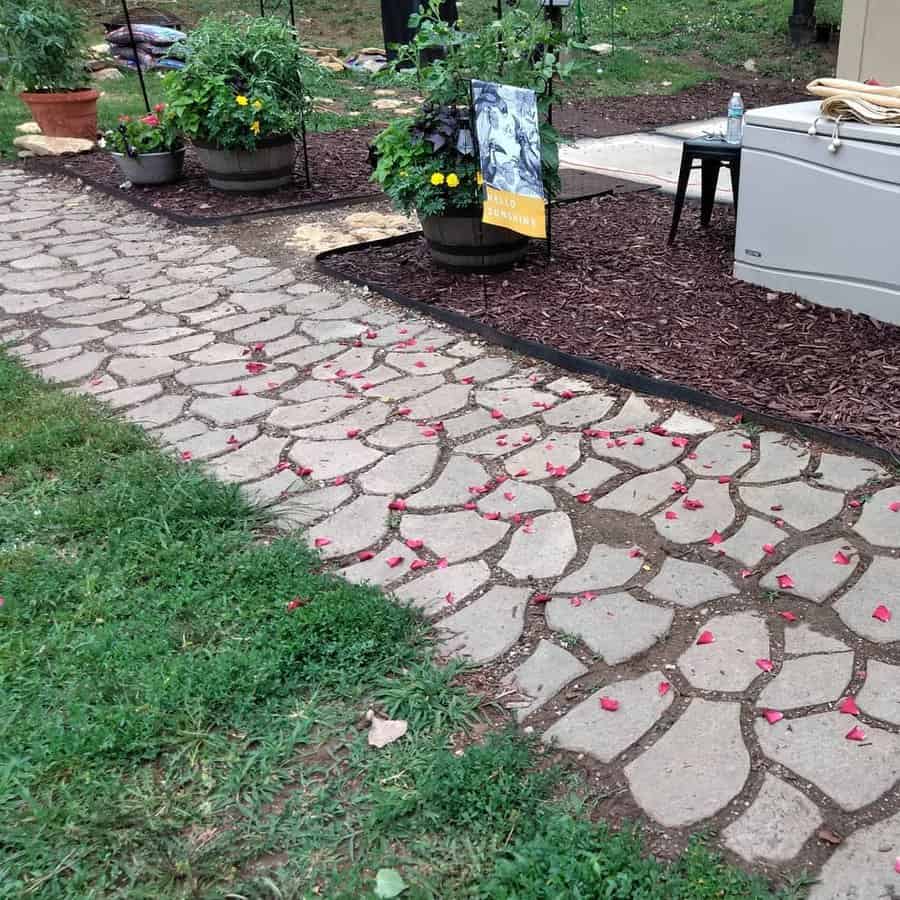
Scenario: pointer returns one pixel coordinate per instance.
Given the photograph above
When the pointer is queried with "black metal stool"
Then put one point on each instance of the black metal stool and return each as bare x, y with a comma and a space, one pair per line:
712, 154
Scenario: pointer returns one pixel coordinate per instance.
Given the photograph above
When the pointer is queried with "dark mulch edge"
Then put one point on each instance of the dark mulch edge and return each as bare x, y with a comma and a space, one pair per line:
581, 365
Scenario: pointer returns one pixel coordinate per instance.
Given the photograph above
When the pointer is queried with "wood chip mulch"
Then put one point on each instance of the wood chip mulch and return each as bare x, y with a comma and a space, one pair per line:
338, 163
615, 292
605, 116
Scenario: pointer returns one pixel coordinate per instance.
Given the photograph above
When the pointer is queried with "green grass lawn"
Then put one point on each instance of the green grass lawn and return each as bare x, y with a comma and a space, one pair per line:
174, 727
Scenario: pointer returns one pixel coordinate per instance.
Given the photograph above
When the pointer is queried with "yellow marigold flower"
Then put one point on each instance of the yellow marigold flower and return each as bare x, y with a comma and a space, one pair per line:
452, 180
241, 100
257, 104
437, 179
479, 179
255, 127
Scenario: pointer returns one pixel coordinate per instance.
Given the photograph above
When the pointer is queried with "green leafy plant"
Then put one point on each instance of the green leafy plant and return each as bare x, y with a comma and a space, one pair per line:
134, 135
44, 40
244, 82
428, 163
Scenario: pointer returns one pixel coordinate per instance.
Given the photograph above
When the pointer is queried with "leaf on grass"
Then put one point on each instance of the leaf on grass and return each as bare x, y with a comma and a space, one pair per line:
385, 731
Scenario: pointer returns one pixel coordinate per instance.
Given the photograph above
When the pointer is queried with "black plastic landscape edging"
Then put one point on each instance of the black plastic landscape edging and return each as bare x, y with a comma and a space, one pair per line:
582, 365
137, 201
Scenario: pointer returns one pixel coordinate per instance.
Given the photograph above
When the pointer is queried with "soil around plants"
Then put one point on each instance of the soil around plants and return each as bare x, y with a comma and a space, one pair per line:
616, 293
607, 116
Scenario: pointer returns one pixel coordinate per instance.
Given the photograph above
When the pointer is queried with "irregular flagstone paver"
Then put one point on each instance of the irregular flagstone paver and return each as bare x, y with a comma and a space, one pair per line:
606, 567
689, 584
378, 569
312, 412
557, 449
683, 423
802, 506
312, 390
364, 418
485, 369
800, 639
173, 348
328, 459
880, 585
487, 627
642, 493
151, 320
308, 507
590, 475
729, 662
105, 317
579, 411
815, 747
218, 352
402, 434
357, 359
267, 330
406, 387
776, 826
74, 368
780, 458
353, 527
401, 471
863, 867
215, 442
846, 472
693, 525
513, 497
420, 363
181, 430
148, 336
746, 544
452, 486
880, 694
250, 461
515, 403
231, 410
134, 370
543, 675
17, 304
157, 412
543, 550
456, 535
614, 626
45, 357
65, 337
643, 451
257, 384
443, 589
588, 728
814, 574
722, 453
879, 524
446, 399
501, 442
635, 414
820, 678
682, 779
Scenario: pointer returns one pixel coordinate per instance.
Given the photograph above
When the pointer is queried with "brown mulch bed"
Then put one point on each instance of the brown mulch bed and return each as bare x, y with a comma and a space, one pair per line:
605, 116
616, 293
338, 164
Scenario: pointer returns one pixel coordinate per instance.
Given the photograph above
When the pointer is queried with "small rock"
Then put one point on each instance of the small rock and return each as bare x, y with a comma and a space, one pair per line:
108, 75
40, 145
28, 128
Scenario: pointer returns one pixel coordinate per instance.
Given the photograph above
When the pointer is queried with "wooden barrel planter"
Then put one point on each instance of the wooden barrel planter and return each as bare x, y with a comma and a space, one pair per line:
459, 240
269, 166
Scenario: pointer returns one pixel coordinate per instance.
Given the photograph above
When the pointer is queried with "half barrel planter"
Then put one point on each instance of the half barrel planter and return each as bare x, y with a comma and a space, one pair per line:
151, 168
459, 240
269, 166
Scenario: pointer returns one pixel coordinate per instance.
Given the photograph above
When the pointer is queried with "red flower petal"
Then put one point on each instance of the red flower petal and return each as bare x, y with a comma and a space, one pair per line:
765, 664
841, 559
848, 706
371, 335
271, 385
609, 704
186, 455
420, 364
496, 414
322, 542
398, 504
671, 514
688, 503
558, 471
415, 543
341, 479
521, 473
304, 471
493, 516
282, 465
538, 599
679, 488
706, 637
788, 616
353, 432
449, 598
769, 549
746, 573
509, 495
417, 564
724, 479
428, 432
897, 865
469, 379
882, 613
658, 429
395, 561
404, 411
778, 507
679, 442
895, 506
584, 498
854, 504
747, 445
772, 716
239, 391
638, 442
738, 419
364, 555
785, 581
635, 553
526, 438
442, 563
855, 734
567, 395
254, 368
232, 441
469, 505
714, 538
664, 688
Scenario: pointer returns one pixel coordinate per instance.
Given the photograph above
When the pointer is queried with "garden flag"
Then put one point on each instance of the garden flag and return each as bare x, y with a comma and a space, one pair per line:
509, 149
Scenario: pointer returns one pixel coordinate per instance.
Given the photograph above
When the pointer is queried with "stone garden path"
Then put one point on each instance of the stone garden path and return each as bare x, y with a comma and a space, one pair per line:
639, 583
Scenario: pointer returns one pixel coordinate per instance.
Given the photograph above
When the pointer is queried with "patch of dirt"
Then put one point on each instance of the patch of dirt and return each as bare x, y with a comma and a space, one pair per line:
615, 292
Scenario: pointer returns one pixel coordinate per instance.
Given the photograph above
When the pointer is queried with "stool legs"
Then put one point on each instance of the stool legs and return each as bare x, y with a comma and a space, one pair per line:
735, 182
683, 176
710, 178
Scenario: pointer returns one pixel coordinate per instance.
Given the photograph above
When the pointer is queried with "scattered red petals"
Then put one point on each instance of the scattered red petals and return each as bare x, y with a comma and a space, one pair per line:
303, 471
679, 488
848, 707
322, 542
658, 429
496, 414
688, 503
706, 637
785, 581
714, 538
679, 442
567, 395
855, 734
609, 704
841, 559
664, 688
772, 716
765, 664
364, 555
882, 613
239, 391
539, 599
399, 504
584, 498
254, 368
415, 543
671, 514
558, 471
787, 615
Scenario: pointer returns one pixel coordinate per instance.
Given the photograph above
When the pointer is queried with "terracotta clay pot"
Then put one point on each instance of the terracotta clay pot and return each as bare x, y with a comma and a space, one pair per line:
459, 240
69, 114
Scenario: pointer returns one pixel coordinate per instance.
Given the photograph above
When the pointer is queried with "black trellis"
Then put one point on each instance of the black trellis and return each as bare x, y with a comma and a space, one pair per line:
273, 6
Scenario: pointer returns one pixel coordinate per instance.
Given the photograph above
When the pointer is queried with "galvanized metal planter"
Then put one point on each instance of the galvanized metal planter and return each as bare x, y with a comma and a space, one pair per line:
151, 168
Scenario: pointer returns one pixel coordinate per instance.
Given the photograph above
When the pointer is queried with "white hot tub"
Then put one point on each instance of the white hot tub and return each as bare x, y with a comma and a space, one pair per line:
822, 224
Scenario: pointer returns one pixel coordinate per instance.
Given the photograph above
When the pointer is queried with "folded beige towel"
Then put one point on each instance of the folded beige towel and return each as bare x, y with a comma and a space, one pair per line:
875, 104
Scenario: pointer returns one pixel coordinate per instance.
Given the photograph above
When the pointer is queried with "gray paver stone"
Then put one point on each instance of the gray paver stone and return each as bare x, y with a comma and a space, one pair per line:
444, 589
820, 678
590, 475
231, 410
302, 415
588, 728
487, 627
400, 472
215, 442
356, 526
513, 497
135, 370
267, 330
746, 544
802, 506
73, 369
801, 639
815, 576
721, 453
177, 347
729, 662
66, 337
879, 524
158, 412
452, 486
251, 461
543, 675
880, 694
606, 567
687, 776
377, 570
514, 403
501, 442
446, 399
689, 584
468, 423
328, 459
455, 535
683, 423
308, 507
148, 336
402, 434
356, 359
579, 411
780, 458
846, 472
880, 585
642, 493
365, 418
543, 550
635, 414
557, 449
485, 369
693, 525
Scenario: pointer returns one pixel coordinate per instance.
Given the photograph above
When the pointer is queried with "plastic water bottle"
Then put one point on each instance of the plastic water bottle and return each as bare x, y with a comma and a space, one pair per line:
735, 131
